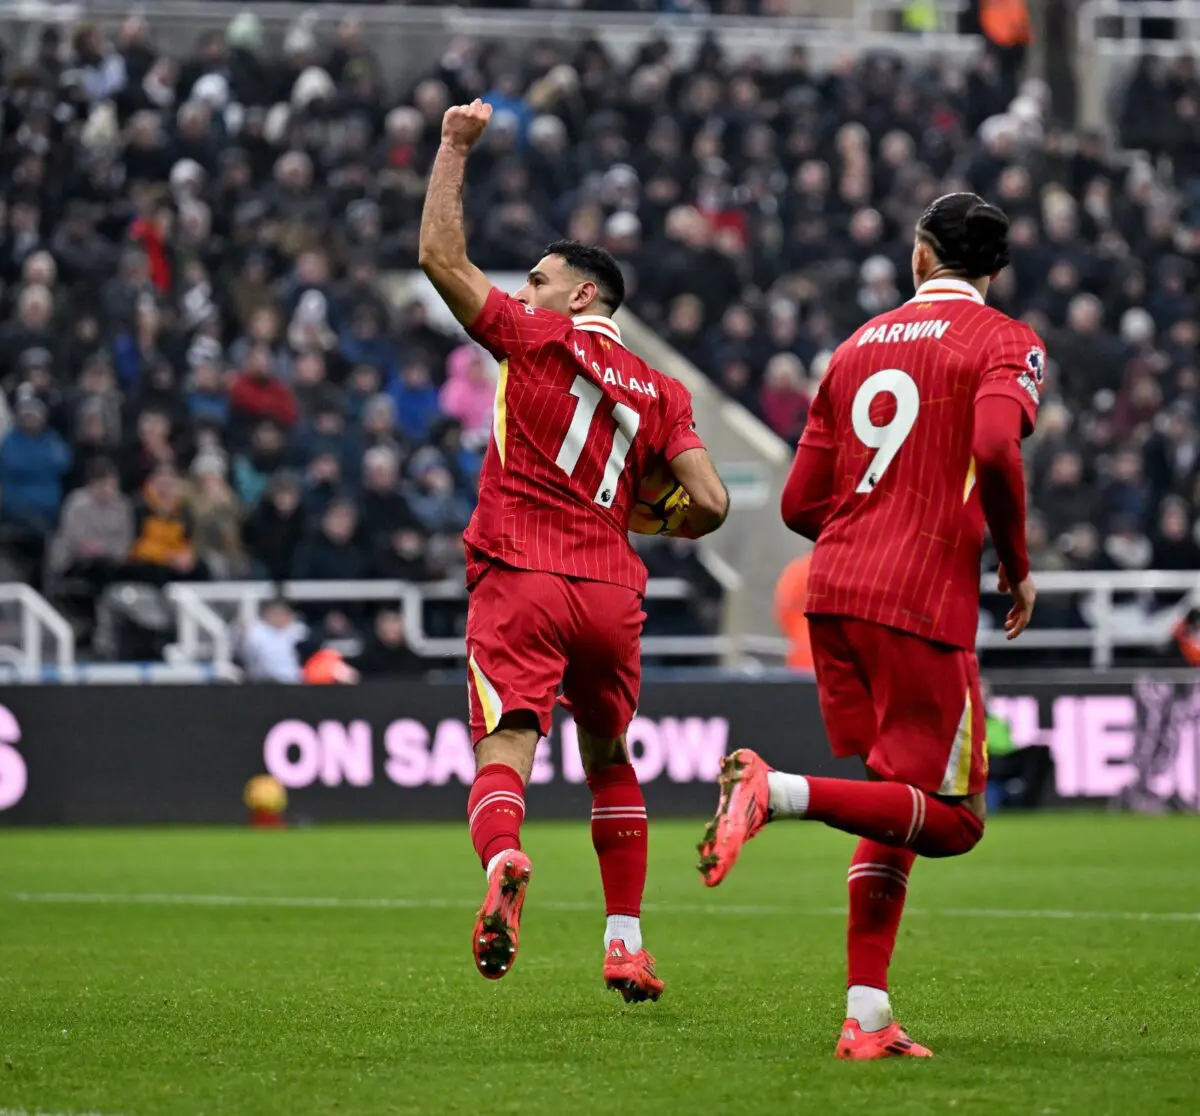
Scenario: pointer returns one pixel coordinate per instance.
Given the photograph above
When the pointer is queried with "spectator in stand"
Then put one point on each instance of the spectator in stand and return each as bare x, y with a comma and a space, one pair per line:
162, 548
379, 425
33, 462
255, 466
469, 394
404, 556
384, 508
96, 530
153, 448
270, 645
416, 401
216, 519
327, 432
1175, 543
363, 342
1065, 499
32, 329
258, 394
363, 383
207, 399
463, 462
431, 495
276, 528
1187, 637
136, 349
332, 553
784, 399
386, 652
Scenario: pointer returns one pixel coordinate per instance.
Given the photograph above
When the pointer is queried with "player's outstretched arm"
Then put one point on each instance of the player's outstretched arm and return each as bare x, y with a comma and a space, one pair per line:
707, 495
442, 254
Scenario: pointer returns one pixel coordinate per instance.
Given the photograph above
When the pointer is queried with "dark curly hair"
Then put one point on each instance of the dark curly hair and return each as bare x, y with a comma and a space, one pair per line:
967, 234
595, 263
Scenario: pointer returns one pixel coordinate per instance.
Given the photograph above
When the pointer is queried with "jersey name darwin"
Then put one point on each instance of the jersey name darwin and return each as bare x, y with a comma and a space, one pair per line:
613, 376
903, 331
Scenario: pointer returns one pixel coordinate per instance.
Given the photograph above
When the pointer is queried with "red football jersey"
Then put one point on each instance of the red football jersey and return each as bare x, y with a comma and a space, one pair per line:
578, 421
903, 540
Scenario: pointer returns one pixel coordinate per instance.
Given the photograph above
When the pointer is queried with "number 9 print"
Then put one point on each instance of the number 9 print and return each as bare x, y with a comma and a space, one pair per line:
886, 439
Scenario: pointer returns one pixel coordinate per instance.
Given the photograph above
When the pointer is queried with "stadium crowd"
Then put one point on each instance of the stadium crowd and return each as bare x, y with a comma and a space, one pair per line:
204, 375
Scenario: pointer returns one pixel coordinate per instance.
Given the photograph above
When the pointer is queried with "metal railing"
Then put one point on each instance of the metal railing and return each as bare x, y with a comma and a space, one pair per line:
37, 618
205, 636
1118, 25
868, 14
1109, 44
1110, 625
204, 651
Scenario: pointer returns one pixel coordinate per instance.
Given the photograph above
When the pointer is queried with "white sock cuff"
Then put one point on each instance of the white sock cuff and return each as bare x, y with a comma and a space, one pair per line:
787, 794
870, 1006
626, 928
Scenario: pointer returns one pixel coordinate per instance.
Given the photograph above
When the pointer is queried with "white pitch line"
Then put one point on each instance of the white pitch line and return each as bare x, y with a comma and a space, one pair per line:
172, 899
39, 1112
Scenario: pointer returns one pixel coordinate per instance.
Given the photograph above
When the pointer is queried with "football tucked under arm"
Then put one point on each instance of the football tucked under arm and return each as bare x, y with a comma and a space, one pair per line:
662, 505
705, 494
686, 506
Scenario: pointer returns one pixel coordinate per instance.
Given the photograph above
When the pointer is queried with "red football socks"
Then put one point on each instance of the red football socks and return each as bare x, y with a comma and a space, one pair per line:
894, 814
878, 884
619, 835
495, 809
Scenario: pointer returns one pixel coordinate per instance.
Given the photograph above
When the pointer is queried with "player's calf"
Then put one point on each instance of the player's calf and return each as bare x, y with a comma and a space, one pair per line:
620, 831
893, 814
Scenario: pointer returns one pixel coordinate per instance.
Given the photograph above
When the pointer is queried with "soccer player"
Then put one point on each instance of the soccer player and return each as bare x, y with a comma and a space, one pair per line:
555, 587
912, 444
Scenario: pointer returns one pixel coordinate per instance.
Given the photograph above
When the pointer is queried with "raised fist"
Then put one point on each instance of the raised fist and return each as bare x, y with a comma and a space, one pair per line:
462, 125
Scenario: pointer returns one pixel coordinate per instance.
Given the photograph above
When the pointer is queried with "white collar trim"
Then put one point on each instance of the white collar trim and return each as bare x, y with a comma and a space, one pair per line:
946, 290
597, 323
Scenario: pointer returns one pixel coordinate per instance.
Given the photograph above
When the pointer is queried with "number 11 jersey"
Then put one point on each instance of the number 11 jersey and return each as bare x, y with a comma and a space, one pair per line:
902, 541
578, 421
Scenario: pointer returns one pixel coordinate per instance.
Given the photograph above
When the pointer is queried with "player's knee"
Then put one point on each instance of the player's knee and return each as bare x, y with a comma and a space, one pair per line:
957, 831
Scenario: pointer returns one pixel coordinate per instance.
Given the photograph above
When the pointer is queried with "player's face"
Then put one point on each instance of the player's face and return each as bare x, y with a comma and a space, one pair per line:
552, 285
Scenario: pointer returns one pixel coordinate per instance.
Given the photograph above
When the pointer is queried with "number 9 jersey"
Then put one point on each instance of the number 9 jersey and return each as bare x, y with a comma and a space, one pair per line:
578, 420
902, 538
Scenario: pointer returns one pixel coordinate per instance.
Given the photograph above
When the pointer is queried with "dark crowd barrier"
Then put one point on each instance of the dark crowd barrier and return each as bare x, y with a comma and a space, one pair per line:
391, 751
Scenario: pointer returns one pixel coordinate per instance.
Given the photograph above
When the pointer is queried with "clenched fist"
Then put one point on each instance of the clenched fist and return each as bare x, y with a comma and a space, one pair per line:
464, 124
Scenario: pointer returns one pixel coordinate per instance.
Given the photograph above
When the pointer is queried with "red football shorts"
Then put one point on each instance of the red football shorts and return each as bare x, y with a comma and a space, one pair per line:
530, 632
910, 708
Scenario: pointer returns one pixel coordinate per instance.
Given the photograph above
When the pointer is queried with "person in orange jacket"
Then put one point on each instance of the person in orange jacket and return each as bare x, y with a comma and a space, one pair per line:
327, 668
791, 594
1187, 635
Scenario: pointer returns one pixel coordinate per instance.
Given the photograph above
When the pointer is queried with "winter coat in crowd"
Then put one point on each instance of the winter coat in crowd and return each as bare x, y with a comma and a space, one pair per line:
163, 529
320, 558
416, 402
254, 398
92, 529
32, 467
273, 535
469, 394
435, 503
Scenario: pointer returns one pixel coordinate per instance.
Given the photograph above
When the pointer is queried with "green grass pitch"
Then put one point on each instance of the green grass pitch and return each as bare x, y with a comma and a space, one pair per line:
1056, 970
